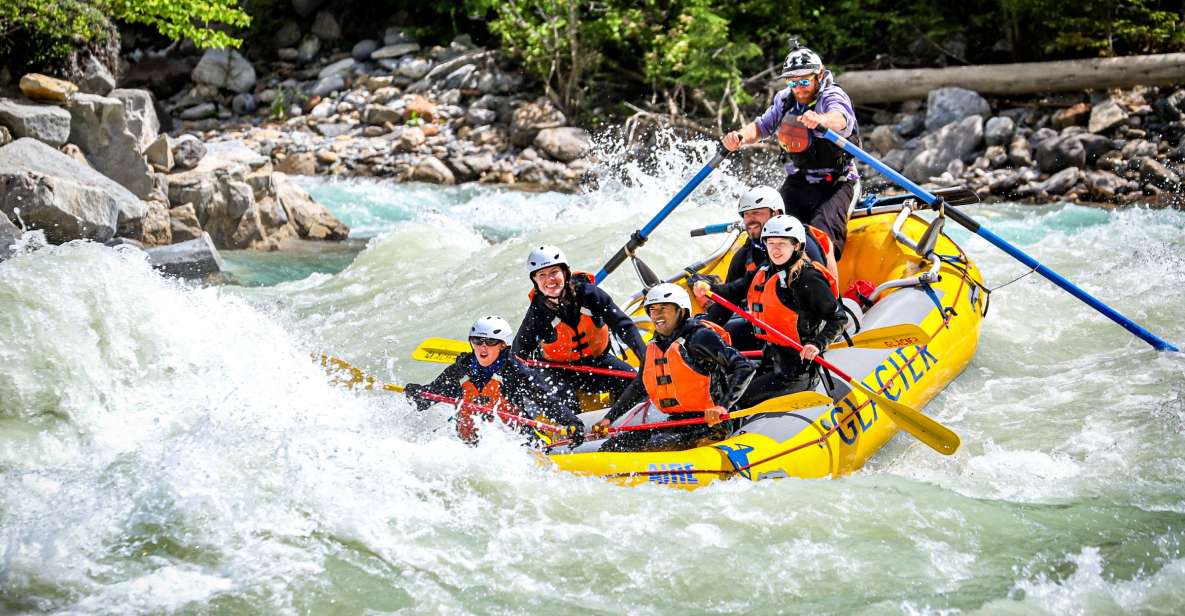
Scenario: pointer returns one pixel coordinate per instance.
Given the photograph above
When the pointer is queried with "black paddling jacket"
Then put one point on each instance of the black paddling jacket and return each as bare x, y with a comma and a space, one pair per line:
747, 260
821, 317
521, 386
536, 327
707, 353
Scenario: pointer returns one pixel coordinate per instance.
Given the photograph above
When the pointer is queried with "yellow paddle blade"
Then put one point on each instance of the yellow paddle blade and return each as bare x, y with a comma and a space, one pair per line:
888, 337
343, 373
786, 404
440, 350
927, 430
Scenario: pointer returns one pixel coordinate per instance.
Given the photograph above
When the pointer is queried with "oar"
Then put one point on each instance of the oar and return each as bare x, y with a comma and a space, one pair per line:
999, 242
640, 236
937, 436
358, 377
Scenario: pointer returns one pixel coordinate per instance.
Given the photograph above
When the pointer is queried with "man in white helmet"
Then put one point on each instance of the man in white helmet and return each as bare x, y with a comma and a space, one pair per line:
689, 371
820, 177
569, 321
797, 297
489, 377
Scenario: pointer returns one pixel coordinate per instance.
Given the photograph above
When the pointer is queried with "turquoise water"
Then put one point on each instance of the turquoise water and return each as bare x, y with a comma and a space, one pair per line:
166, 448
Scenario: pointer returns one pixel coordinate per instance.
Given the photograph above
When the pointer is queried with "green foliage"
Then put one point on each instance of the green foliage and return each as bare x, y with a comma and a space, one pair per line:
697, 51
179, 19
1099, 27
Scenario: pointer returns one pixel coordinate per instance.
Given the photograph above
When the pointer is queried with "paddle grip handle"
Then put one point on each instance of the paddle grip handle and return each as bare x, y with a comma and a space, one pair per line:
711, 229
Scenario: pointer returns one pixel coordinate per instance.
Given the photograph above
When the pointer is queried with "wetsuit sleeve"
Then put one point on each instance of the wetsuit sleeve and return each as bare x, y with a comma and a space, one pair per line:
526, 341
709, 351
817, 302
633, 393
527, 387
448, 382
736, 290
618, 321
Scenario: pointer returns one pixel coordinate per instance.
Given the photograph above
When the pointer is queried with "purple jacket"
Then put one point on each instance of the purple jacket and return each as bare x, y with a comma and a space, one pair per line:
830, 98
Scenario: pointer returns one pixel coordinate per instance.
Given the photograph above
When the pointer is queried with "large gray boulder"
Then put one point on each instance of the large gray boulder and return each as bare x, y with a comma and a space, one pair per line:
46, 123
9, 234
196, 258
998, 130
953, 141
1058, 153
564, 144
1105, 116
531, 118
63, 197
98, 127
188, 151
946, 105
325, 26
140, 114
96, 79
224, 68
312, 220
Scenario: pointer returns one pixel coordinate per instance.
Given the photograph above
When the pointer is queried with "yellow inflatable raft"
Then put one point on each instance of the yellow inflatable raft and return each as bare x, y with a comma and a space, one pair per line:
922, 277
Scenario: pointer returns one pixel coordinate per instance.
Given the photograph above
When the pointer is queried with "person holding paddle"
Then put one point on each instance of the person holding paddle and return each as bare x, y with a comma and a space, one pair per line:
796, 296
489, 377
569, 321
820, 176
689, 371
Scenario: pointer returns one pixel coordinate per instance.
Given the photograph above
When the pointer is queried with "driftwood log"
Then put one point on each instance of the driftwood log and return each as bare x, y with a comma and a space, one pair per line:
895, 85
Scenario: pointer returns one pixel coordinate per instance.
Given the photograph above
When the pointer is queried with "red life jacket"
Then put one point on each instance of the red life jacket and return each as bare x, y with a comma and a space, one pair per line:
673, 384
489, 396
586, 340
765, 304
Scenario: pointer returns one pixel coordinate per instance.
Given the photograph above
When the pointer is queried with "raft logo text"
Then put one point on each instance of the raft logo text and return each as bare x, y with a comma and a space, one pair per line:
896, 368
672, 473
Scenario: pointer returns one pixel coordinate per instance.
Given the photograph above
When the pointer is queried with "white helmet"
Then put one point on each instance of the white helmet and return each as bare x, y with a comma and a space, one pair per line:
784, 226
492, 327
760, 197
801, 61
545, 256
668, 293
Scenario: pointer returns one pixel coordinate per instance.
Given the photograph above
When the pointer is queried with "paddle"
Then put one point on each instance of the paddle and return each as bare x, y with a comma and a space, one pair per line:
937, 436
638, 238
446, 350
358, 377
1016, 253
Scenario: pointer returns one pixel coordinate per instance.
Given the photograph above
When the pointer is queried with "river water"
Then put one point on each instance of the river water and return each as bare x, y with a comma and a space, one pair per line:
170, 448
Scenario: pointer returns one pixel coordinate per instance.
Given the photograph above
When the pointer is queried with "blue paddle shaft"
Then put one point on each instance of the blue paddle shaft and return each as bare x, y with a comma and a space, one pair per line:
643, 234
999, 242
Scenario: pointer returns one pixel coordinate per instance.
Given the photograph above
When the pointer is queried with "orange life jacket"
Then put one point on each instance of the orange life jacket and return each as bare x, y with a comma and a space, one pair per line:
765, 304
822, 238
489, 396
673, 384
586, 340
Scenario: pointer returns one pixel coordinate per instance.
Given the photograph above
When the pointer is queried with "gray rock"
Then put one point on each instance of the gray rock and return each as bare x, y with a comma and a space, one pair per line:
998, 130
1056, 154
379, 115
200, 112
1106, 116
47, 123
911, 125
430, 169
1042, 135
413, 68
1158, 175
5, 136
1137, 148
1172, 107
391, 52
884, 139
564, 144
946, 105
1075, 115
308, 49
288, 35
339, 68
311, 219
1096, 146
188, 151
244, 103
9, 235
160, 154
1060, 182
531, 118
195, 258
327, 86
1104, 184
477, 116
363, 49
304, 8
139, 112
96, 79
954, 140
464, 77
226, 69
382, 96
184, 223
395, 35
99, 128
61, 196
325, 27
288, 54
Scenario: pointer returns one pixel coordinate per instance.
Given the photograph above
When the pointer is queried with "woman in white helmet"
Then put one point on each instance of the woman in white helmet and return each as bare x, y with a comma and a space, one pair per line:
820, 176
689, 371
756, 207
797, 297
489, 377
569, 321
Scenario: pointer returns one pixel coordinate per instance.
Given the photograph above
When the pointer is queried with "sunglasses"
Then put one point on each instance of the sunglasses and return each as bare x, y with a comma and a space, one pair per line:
800, 83
489, 342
